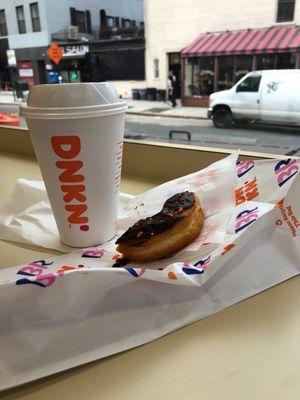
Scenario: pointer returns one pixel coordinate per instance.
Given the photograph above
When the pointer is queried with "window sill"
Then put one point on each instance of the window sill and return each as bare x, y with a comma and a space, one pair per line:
285, 23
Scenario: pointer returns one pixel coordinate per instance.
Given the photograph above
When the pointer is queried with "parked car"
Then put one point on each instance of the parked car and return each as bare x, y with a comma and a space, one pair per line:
267, 96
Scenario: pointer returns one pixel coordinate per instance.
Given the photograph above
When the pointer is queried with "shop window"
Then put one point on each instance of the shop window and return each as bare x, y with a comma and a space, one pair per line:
3, 26
286, 61
21, 19
250, 84
156, 68
35, 17
285, 10
199, 76
243, 66
226, 73
265, 61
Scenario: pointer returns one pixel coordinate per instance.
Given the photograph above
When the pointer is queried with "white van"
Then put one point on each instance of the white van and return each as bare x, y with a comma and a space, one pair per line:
266, 96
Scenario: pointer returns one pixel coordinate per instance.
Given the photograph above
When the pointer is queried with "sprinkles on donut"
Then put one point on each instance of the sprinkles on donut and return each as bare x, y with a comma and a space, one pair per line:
177, 224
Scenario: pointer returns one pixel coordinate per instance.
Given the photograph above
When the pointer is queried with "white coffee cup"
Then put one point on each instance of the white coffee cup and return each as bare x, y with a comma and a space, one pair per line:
77, 133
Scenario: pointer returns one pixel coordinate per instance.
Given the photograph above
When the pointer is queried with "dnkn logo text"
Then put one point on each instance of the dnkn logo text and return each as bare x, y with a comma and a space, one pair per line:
67, 148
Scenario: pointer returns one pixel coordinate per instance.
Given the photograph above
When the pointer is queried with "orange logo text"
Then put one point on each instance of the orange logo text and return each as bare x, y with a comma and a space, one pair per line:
67, 148
247, 192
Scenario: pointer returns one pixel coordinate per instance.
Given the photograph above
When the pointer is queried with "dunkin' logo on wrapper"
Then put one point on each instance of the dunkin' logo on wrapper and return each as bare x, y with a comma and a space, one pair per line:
242, 167
246, 218
67, 148
247, 192
285, 170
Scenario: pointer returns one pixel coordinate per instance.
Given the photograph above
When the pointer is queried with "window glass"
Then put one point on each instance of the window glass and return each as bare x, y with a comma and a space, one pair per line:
199, 76
3, 26
285, 10
243, 66
250, 84
105, 41
206, 76
110, 21
286, 61
21, 19
226, 72
188, 77
265, 61
156, 68
126, 23
35, 18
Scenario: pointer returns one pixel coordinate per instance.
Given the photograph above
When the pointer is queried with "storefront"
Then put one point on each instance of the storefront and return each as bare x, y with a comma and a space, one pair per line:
73, 67
31, 65
216, 61
101, 60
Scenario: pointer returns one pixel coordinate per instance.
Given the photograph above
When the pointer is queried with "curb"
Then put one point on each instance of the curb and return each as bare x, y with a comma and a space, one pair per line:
164, 115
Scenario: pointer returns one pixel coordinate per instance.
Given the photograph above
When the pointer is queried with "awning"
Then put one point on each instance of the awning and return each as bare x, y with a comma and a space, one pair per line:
247, 41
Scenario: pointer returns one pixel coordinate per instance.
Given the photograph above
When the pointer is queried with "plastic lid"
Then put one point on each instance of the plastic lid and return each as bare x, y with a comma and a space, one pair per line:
72, 100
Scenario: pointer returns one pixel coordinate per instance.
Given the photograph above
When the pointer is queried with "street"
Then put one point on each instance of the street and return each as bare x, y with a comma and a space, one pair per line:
260, 138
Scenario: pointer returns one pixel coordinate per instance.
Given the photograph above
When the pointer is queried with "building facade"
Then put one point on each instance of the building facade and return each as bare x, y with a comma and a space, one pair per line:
28, 27
210, 46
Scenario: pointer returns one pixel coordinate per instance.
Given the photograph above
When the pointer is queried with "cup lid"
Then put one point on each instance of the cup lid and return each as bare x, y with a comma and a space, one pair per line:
72, 100
72, 95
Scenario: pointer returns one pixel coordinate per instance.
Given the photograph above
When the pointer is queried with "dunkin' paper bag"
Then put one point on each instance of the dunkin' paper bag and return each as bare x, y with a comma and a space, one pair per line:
62, 312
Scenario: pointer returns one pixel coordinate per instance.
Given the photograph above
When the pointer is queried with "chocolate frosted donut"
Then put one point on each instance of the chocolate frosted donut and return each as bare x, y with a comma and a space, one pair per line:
177, 224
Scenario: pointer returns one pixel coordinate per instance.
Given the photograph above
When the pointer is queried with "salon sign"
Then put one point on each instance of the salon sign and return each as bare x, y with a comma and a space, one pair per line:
74, 50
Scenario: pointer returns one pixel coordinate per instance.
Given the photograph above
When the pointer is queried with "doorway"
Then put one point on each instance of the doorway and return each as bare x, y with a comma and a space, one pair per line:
174, 64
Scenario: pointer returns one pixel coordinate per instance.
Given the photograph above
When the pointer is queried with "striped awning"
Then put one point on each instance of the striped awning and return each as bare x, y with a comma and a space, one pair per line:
247, 41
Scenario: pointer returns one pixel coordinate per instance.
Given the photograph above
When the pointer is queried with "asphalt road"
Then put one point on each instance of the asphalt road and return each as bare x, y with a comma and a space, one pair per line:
261, 138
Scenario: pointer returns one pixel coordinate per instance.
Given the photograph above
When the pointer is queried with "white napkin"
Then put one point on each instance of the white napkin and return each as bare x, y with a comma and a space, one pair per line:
28, 218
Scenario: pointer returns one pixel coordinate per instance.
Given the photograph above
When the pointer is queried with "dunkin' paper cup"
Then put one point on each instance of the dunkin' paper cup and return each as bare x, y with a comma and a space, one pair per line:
77, 134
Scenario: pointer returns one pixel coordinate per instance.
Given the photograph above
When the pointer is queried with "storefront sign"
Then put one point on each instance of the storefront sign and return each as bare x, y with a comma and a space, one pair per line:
11, 58
75, 50
26, 72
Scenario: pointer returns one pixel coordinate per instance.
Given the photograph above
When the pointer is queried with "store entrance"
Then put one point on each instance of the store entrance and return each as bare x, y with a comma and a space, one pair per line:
175, 66
69, 71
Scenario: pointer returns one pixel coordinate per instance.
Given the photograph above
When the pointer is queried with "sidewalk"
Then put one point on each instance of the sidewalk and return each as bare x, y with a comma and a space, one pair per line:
163, 109
7, 98
136, 107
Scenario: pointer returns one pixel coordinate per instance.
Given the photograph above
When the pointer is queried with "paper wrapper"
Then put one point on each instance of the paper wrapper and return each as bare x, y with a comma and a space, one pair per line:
75, 308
